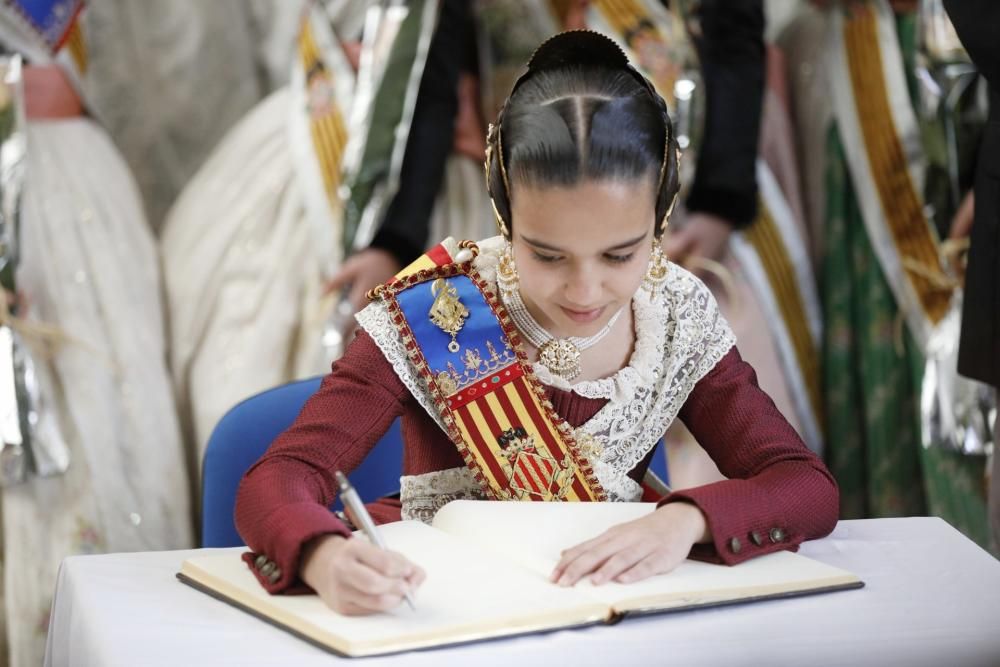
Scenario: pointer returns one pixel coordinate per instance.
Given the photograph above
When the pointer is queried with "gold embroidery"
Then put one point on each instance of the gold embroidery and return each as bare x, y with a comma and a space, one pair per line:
477, 367
446, 383
765, 237
590, 447
901, 204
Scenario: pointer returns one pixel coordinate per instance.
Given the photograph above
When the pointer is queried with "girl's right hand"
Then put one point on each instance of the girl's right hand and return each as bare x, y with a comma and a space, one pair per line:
354, 577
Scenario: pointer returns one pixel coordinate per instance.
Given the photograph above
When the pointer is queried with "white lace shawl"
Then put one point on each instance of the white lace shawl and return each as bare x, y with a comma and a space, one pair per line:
680, 337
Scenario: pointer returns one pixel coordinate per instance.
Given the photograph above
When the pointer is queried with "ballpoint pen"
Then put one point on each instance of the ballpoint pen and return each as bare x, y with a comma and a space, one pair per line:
361, 517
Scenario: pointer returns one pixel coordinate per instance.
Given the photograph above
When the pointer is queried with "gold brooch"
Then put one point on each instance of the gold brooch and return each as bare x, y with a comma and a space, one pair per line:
447, 312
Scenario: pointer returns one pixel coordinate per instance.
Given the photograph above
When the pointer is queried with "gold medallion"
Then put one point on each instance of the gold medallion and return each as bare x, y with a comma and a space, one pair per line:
447, 312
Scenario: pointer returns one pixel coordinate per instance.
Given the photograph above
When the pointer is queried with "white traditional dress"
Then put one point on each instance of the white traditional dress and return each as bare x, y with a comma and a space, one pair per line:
156, 70
89, 267
252, 239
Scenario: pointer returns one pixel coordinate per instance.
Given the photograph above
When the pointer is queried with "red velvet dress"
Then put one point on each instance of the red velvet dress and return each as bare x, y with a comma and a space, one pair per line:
779, 493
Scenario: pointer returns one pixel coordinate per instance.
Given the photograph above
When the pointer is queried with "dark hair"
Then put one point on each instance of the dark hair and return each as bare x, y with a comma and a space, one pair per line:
578, 120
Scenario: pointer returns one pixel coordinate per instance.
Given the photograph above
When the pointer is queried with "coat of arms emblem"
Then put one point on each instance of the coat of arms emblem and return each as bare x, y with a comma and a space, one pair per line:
531, 474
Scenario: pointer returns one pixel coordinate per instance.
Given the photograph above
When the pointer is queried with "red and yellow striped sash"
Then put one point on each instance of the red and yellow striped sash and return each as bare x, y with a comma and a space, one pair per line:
485, 393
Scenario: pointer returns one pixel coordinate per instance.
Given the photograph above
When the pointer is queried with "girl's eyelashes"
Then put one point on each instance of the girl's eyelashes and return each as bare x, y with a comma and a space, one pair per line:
545, 258
619, 259
613, 258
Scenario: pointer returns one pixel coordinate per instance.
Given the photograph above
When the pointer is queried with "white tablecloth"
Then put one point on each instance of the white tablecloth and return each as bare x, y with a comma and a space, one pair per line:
932, 597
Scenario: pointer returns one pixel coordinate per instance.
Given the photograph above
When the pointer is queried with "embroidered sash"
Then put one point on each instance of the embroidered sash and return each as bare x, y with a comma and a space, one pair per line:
392, 66
776, 264
46, 31
322, 89
467, 351
882, 142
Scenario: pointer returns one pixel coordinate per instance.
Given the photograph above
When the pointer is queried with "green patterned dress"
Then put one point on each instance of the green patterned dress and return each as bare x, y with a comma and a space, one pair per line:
872, 370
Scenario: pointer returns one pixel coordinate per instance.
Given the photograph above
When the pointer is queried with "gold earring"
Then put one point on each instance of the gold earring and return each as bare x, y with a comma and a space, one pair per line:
657, 271
507, 278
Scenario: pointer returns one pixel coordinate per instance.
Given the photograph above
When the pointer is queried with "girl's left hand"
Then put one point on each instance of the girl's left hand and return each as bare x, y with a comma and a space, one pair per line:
654, 544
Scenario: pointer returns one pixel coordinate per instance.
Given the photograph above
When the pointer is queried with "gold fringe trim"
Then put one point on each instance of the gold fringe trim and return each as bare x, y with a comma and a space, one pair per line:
328, 131
765, 237
77, 47
901, 203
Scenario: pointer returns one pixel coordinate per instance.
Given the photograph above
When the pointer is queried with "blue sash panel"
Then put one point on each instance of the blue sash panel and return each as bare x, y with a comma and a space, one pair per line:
51, 19
481, 336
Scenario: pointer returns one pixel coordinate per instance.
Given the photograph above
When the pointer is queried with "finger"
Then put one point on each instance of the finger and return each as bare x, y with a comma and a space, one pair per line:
341, 278
416, 578
358, 576
350, 609
649, 566
585, 563
342, 601
368, 603
386, 563
618, 563
567, 556
358, 295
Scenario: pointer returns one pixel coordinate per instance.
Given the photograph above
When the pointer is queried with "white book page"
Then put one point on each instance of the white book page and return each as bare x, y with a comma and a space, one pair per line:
468, 595
534, 534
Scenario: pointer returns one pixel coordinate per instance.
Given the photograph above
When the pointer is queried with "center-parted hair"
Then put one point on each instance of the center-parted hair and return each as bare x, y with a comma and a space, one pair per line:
583, 121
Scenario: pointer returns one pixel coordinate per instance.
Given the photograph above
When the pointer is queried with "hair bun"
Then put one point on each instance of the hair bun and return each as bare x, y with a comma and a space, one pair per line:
578, 47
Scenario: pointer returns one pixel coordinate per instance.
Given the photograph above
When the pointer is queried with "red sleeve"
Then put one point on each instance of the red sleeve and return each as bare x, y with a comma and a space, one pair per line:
778, 493
283, 499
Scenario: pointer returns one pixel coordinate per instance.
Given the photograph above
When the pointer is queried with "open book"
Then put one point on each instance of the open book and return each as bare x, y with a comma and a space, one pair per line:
487, 567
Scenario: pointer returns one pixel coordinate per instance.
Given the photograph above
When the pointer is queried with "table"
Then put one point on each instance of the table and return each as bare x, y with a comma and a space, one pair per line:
932, 597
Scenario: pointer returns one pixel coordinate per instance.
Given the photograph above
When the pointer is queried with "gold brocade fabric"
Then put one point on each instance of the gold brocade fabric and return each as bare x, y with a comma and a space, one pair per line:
901, 203
326, 122
765, 237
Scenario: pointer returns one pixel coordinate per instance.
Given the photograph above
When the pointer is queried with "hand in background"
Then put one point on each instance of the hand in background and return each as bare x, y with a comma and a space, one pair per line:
961, 224
354, 577
48, 93
635, 550
363, 271
958, 235
702, 235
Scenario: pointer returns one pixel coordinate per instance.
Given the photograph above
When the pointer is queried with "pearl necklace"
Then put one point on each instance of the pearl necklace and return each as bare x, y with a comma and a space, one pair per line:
559, 355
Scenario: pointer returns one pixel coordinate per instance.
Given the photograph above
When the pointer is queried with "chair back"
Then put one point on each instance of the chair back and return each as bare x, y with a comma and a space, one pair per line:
244, 434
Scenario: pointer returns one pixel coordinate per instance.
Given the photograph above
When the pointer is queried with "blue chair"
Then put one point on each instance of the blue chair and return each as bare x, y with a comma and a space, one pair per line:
658, 464
244, 434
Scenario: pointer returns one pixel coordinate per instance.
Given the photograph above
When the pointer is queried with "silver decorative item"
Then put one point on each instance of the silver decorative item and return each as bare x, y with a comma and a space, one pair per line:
956, 413
30, 440
337, 328
952, 108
